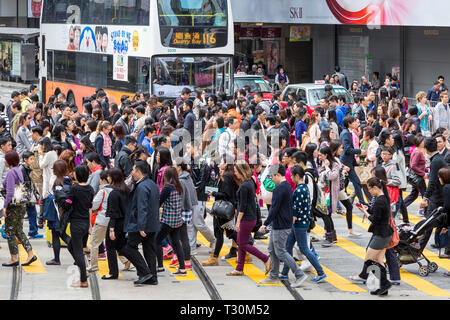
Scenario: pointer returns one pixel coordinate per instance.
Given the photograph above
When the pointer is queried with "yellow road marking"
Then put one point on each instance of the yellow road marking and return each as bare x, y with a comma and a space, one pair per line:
340, 282
411, 279
103, 268
35, 267
189, 274
249, 270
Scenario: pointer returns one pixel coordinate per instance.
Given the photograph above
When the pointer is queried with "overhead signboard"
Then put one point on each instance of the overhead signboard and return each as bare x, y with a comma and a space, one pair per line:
351, 12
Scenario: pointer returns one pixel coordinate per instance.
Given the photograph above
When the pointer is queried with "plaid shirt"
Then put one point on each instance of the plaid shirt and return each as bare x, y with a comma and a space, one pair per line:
172, 210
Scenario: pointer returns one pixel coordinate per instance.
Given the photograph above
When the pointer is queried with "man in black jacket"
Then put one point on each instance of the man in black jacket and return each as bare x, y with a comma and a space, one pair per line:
201, 173
189, 117
142, 224
442, 149
433, 197
122, 161
103, 100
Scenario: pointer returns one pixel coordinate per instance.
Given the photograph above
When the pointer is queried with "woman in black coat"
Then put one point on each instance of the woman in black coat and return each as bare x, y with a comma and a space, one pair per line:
116, 211
227, 190
379, 216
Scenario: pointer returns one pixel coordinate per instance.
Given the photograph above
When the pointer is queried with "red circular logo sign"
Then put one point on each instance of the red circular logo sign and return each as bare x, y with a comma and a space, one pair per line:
355, 12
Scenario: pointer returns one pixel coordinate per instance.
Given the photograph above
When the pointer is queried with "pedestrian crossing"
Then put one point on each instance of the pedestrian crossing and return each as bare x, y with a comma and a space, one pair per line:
336, 277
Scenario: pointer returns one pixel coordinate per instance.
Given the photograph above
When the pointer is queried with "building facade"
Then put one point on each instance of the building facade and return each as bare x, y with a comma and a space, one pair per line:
361, 36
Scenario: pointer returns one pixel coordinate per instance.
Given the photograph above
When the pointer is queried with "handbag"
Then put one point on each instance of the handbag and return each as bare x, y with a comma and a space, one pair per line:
412, 177
268, 183
363, 174
223, 210
395, 237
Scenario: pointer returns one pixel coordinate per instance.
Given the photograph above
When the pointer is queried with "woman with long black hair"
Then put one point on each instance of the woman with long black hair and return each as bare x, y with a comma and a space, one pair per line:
227, 190
116, 211
62, 179
379, 215
81, 195
336, 149
312, 154
171, 218
164, 160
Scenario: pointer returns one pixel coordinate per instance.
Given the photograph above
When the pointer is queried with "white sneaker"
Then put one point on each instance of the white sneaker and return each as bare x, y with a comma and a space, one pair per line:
354, 235
299, 281
307, 266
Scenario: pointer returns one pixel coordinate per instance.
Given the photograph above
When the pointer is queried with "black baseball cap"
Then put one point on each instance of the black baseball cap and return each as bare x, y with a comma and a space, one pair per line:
123, 98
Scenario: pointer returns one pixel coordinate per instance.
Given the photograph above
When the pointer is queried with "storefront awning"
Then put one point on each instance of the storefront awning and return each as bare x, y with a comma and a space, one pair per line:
22, 34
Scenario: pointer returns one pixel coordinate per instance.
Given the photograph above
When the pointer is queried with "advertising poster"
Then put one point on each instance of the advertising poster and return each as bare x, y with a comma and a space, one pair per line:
300, 33
258, 56
120, 67
34, 8
16, 59
273, 57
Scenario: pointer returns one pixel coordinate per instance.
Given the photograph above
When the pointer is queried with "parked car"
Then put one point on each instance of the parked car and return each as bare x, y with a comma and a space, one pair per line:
255, 83
311, 93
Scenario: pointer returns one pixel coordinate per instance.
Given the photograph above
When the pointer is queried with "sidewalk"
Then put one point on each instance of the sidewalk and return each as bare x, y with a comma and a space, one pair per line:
15, 85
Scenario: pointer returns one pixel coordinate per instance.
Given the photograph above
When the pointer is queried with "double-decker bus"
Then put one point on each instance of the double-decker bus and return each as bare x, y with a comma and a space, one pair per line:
130, 46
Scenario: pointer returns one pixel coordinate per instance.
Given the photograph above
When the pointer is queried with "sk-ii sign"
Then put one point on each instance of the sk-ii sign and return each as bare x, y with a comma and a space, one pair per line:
295, 13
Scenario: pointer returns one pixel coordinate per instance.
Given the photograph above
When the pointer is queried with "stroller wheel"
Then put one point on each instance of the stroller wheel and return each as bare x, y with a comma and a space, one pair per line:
423, 271
432, 267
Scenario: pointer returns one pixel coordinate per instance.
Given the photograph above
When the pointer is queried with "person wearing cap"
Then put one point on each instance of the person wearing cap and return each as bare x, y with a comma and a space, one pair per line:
15, 97
185, 95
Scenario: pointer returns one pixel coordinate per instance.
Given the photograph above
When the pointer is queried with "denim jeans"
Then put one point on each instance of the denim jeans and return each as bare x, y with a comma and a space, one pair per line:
301, 236
32, 219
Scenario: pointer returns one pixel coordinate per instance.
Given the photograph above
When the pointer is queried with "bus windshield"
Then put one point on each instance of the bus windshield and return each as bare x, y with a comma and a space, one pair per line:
171, 74
192, 13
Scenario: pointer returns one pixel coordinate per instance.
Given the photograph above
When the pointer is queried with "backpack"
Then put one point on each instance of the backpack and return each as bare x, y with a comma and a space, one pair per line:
317, 198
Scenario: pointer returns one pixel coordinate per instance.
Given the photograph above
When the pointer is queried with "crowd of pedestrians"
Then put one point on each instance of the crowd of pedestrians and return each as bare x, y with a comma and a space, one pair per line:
140, 173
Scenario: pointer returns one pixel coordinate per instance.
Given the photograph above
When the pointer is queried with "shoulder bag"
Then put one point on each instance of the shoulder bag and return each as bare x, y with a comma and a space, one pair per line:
223, 210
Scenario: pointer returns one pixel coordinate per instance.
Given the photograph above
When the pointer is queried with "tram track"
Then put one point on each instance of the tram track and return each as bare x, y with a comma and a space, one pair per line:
205, 279
16, 282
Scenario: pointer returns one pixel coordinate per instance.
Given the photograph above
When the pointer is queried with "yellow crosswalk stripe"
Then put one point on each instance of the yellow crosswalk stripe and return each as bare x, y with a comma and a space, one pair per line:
340, 282
409, 278
250, 270
189, 274
333, 278
35, 267
103, 268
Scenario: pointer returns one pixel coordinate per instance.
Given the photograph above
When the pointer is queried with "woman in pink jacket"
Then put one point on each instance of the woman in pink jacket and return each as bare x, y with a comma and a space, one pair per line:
417, 165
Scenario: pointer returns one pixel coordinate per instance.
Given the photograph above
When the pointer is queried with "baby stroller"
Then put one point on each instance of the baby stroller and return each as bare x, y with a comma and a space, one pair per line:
413, 241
